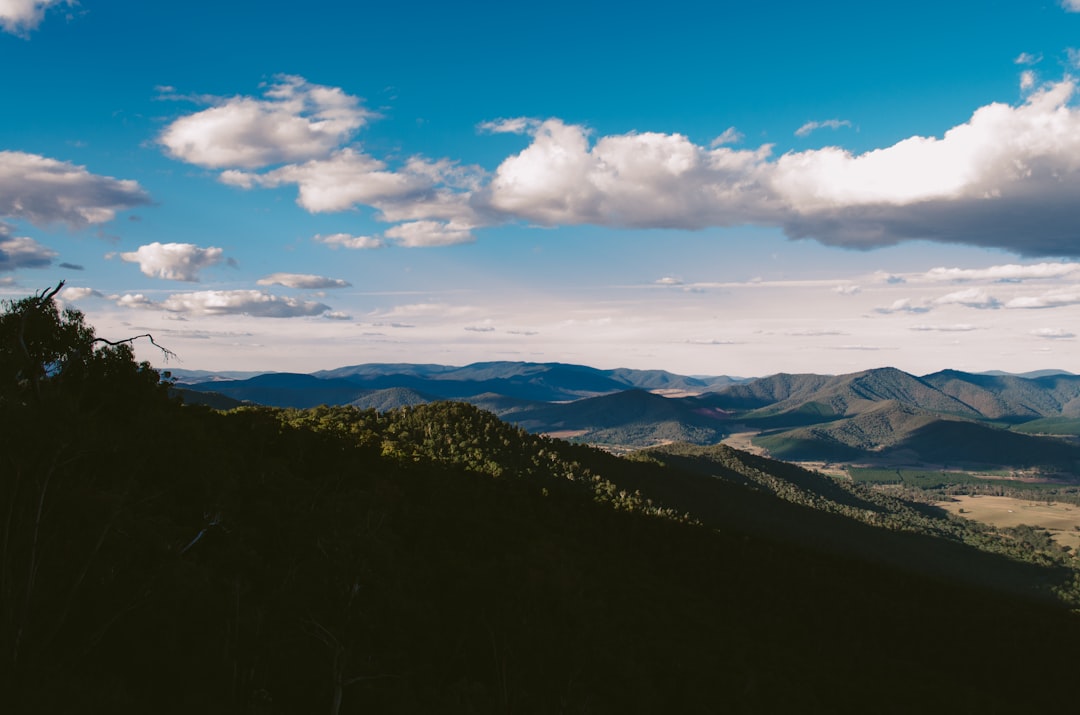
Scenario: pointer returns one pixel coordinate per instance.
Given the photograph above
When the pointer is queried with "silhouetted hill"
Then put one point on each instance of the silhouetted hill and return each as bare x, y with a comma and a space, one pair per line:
285, 389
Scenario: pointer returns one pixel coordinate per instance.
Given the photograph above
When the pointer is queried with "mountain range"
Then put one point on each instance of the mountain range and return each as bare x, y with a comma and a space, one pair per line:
884, 415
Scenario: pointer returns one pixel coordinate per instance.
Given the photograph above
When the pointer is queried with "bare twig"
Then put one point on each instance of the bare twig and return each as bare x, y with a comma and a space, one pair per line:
164, 350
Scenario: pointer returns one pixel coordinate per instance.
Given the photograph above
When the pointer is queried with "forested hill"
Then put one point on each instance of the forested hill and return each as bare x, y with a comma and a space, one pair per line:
163, 558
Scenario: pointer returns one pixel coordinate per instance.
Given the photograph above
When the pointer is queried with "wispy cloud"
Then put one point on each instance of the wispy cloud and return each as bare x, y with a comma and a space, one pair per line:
344, 240
1053, 333
304, 281
729, 136
811, 127
957, 328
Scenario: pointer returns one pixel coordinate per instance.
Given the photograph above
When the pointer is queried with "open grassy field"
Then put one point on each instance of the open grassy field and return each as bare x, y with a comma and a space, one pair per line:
1061, 520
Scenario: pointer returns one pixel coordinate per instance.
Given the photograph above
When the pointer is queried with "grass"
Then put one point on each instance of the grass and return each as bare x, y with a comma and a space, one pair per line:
926, 478
1061, 520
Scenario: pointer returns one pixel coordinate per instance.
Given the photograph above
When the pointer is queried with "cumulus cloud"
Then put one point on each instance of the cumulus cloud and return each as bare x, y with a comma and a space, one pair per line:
810, 127
20, 16
1053, 333
43, 190
302, 280
241, 302
74, 293
293, 121
972, 298
646, 180
133, 300
344, 240
429, 233
22, 252
173, 261
1007, 178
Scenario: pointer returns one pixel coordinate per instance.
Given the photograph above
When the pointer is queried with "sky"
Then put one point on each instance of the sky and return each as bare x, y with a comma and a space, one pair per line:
708, 188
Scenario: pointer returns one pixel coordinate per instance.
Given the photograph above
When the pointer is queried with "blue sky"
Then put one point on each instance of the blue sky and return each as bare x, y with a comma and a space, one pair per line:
709, 188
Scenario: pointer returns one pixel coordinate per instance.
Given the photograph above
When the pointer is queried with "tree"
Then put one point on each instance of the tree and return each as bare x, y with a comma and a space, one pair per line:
46, 352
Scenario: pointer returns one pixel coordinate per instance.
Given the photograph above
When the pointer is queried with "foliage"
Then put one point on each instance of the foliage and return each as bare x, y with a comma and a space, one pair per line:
158, 557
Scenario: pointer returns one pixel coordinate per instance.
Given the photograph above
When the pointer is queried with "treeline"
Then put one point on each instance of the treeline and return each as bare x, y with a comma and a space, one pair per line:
157, 557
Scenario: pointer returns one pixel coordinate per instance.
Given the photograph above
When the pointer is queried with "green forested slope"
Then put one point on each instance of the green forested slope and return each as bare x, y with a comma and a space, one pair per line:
163, 558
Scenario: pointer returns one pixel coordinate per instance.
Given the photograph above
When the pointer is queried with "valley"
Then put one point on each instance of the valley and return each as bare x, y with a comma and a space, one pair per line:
1062, 521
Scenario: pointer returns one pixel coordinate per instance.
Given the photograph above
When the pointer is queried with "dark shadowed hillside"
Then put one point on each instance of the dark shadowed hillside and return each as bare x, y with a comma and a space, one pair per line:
165, 558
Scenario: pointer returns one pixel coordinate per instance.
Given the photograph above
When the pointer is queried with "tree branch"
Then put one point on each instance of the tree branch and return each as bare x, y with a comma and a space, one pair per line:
164, 350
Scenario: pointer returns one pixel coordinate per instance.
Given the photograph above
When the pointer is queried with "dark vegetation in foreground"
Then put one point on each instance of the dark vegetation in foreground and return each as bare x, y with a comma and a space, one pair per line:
158, 557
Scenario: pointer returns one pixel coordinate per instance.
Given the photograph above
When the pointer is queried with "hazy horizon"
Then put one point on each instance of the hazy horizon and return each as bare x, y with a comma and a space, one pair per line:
710, 189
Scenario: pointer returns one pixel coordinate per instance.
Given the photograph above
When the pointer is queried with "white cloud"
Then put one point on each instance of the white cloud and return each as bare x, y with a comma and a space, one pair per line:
731, 135
173, 261
293, 121
22, 252
429, 233
514, 125
241, 302
809, 127
480, 328
1047, 300
669, 281
1009, 272
1026, 58
20, 16
640, 180
1053, 333
43, 190
1071, 5
972, 298
344, 240
957, 328
847, 289
302, 280
1027, 80
420, 189
133, 300
904, 305
814, 333
1008, 178
74, 293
